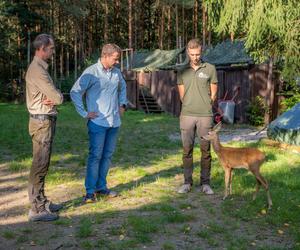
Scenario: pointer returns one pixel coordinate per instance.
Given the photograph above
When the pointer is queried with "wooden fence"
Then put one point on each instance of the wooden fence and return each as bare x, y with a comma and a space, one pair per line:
251, 82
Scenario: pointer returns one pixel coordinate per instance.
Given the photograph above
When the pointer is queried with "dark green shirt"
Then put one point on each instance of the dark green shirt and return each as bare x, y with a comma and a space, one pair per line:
197, 94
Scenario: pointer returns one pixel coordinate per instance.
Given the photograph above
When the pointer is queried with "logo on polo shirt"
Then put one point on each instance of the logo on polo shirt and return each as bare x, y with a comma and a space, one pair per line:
202, 75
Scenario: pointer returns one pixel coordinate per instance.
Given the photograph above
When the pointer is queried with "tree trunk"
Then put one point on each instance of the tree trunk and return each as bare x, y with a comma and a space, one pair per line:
209, 39
105, 31
61, 62
162, 28
169, 27
204, 26
130, 24
117, 21
28, 47
135, 27
75, 56
269, 93
141, 29
68, 63
195, 19
89, 31
177, 27
231, 36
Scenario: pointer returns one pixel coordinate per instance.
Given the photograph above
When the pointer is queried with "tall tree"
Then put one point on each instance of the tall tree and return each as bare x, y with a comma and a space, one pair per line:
268, 27
130, 24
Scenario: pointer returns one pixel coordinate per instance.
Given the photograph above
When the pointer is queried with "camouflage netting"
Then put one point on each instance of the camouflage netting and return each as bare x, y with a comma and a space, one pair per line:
286, 128
154, 60
225, 53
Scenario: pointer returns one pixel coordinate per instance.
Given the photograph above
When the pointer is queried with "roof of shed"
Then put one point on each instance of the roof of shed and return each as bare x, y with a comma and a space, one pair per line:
223, 54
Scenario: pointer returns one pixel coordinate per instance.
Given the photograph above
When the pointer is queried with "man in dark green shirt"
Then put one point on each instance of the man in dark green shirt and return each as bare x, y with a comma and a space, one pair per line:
197, 85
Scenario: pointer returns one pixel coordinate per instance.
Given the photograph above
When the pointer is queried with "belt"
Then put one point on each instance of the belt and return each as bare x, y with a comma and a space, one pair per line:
43, 117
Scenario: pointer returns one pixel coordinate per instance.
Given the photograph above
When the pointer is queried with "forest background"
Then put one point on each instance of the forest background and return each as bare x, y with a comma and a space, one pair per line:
270, 29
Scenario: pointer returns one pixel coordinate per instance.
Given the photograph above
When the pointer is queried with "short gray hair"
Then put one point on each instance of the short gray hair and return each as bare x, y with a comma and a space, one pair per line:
194, 44
42, 40
110, 48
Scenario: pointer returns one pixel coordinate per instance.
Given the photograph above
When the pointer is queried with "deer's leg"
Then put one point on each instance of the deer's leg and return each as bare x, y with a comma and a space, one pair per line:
227, 180
265, 184
230, 181
256, 188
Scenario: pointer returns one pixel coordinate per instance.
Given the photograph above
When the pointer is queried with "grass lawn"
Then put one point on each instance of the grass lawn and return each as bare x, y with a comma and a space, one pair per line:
149, 213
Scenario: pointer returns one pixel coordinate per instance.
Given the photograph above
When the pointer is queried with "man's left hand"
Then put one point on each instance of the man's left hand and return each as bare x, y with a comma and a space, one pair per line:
121, 111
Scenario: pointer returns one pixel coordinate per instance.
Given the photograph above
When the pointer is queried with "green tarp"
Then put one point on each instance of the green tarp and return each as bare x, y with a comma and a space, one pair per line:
225, 53
155, 60
286, 128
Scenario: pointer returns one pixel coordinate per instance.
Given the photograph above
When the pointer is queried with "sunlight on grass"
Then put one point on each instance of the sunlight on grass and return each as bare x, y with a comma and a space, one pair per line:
146, 172
16, 166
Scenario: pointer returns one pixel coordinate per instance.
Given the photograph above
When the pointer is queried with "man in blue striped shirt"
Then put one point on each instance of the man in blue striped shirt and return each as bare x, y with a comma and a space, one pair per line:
105, 96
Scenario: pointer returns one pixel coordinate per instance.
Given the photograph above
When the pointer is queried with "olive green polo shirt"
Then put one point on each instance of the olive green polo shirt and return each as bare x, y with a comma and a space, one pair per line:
197, 93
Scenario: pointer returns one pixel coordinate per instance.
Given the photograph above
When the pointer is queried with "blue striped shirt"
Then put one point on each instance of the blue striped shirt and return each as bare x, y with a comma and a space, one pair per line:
105, 92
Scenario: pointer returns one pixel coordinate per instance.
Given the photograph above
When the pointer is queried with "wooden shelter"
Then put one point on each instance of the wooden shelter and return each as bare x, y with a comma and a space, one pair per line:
234, 71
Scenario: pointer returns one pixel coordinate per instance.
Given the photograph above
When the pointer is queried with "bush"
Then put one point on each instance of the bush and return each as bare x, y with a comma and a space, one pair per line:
256, 111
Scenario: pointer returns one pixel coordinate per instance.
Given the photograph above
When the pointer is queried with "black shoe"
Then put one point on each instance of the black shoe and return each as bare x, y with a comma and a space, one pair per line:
44, 215
52, 207
89, 198
107, 192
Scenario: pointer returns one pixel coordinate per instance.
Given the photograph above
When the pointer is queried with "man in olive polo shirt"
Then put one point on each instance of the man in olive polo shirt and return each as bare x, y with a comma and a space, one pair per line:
41, 99
197, 85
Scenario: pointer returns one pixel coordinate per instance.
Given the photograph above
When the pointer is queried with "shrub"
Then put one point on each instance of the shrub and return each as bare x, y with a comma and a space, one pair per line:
256, 111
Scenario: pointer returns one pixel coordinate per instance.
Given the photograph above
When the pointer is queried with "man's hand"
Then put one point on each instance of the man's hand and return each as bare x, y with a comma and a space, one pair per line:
121, 111
48, 102
92, 115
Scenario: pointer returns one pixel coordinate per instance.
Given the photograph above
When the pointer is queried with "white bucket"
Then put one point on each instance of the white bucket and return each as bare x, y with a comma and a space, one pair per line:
227, 108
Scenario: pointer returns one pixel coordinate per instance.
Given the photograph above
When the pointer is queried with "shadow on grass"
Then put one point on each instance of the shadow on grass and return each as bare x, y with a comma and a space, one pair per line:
148, 178
179, 222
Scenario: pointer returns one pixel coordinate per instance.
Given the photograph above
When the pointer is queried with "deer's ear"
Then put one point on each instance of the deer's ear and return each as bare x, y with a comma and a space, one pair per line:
217, 127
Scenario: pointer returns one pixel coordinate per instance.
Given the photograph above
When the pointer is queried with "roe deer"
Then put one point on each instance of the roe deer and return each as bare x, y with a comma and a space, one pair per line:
230, 158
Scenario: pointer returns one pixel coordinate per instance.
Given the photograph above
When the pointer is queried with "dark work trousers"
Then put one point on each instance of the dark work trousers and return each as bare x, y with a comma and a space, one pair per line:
42, 134
191, 126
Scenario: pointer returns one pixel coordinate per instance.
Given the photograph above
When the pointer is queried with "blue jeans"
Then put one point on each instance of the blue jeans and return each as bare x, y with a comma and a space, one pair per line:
102, 145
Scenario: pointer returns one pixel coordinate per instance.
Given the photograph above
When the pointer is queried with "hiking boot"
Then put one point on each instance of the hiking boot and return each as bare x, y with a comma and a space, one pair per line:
185, 188
107, 192
44, 215
89, 198
52, 207
205, 188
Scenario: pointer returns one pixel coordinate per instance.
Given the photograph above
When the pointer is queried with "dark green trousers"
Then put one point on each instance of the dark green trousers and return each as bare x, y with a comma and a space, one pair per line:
42, 134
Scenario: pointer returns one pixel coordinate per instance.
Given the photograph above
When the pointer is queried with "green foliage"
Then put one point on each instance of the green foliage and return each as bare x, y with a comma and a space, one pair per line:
289, 102
270, 29
233, 17
256, 111
290, 90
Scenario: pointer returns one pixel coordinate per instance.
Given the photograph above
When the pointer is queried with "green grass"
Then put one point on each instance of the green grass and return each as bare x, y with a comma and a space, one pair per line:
147, 171
85, 228
8, 235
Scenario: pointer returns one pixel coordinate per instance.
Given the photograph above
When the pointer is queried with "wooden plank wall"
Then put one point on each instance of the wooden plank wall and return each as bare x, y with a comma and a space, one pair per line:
132, 88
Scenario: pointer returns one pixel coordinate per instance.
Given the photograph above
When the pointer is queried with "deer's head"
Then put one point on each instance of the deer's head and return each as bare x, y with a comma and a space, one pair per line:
213, 133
